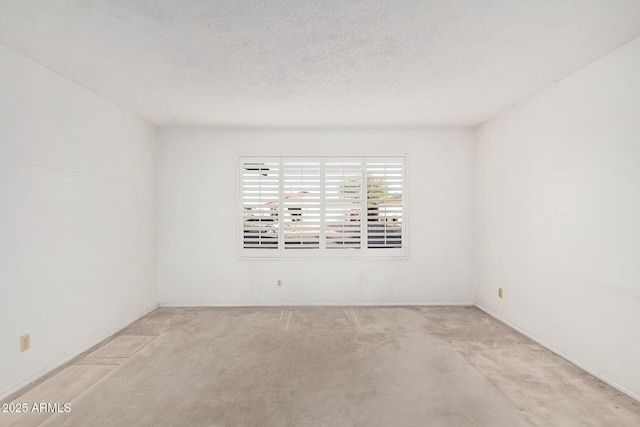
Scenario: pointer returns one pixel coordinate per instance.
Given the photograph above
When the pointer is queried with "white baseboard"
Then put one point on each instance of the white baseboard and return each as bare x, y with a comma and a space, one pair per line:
13, 389
325, 304
549, 347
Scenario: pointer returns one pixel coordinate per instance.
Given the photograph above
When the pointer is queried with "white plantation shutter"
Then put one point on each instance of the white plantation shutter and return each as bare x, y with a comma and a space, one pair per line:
260, 190
301, 185
322, 207
384, 204
343, 204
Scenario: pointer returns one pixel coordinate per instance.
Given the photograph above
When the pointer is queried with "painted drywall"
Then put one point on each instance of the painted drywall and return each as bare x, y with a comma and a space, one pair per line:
198, 213
77, 219
558, 217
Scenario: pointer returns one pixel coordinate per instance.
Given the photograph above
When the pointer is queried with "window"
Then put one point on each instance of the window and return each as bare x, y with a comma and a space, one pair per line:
322, 207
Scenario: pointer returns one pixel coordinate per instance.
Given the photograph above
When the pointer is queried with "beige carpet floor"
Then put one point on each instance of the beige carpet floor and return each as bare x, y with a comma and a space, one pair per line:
323, 366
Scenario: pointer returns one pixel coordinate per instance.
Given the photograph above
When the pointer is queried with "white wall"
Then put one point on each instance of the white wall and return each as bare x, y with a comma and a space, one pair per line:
77, 219
198, 208
558, 217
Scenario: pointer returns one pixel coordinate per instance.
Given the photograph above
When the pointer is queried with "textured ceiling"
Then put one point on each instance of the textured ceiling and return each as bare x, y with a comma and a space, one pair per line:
316, 63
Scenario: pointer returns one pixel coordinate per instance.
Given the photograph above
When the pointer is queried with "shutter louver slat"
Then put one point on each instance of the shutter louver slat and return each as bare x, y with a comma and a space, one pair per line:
343, 199
260, 189
301, 205
384, 205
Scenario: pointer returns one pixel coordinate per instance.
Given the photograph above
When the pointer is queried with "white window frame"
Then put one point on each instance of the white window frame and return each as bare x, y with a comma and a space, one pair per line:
363, 252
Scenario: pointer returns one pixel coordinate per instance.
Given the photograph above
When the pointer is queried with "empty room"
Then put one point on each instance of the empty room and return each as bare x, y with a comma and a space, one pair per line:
319, 213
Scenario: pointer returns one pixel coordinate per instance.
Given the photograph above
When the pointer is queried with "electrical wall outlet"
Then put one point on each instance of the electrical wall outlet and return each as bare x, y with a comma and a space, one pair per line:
499, 292
25, 342
279, 283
